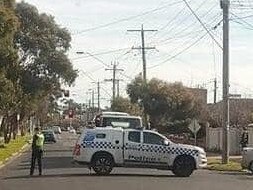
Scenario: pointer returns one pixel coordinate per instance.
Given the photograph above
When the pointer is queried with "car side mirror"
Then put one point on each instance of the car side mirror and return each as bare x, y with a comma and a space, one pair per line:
166, 142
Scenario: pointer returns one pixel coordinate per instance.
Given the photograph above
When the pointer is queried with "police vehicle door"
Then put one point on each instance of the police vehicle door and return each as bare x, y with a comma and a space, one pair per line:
132, 147
154, 149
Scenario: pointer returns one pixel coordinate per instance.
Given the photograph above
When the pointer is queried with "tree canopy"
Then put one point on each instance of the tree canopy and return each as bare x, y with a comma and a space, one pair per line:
33, 63
164, 102
121, 104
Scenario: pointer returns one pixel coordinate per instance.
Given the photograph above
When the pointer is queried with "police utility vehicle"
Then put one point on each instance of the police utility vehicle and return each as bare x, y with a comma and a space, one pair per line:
103, 148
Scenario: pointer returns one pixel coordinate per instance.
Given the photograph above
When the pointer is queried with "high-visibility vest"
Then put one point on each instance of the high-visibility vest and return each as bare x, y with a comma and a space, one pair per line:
40, 140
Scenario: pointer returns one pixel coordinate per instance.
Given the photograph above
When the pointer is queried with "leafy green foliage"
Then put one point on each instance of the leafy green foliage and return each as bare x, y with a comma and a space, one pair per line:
167, 104
42, 45
33, 63
8, 57
121, 104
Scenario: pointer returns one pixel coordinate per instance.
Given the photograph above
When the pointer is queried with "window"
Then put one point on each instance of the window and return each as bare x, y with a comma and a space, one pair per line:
134, 136
100, 136
123, 122
152, 138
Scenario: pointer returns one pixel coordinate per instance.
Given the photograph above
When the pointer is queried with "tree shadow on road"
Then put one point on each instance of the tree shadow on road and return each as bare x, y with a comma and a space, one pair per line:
89, 175
59, 150
50, 163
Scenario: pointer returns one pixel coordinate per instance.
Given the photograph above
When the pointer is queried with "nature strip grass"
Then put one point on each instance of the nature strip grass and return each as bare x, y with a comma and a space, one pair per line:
14, 146
233, 165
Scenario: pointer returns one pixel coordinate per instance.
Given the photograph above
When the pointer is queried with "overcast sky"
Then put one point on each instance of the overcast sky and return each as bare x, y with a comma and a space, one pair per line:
184, 52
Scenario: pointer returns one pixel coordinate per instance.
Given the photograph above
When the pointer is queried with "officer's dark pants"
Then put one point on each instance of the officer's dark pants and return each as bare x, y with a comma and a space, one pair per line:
36, 155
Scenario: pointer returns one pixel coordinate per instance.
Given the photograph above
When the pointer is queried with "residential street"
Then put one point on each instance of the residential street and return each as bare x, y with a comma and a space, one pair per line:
60, 174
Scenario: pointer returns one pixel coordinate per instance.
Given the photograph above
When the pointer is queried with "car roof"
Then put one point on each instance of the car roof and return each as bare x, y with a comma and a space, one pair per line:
104, 129
114, 113
121, 116
119, 129
48, 130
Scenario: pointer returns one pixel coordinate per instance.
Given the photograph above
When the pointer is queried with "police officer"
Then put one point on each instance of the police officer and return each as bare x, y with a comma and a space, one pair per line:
37, 150
244, 138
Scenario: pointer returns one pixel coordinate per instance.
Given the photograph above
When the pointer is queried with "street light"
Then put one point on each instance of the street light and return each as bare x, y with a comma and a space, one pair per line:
91, 55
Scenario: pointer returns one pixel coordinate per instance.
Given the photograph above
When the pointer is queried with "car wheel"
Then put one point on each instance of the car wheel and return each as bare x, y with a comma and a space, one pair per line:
251, 166
102, 164
183, 166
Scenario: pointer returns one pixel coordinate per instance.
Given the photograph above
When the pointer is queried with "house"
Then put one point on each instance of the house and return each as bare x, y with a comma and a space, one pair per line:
240, 112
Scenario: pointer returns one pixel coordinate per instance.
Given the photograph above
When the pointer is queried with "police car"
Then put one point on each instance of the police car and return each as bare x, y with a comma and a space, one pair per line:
103, 148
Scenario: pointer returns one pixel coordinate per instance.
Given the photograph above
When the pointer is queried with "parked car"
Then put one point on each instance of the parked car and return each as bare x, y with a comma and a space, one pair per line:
79, 130
64, 129
49, 136
56, 129
247, 158
72, 130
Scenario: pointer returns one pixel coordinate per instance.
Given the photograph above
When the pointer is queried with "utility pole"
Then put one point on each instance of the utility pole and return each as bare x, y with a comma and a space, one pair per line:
92, 100
143, 48
225, 148
117, 88
98, 83
215, 91
93, 103
113, 80
98, 94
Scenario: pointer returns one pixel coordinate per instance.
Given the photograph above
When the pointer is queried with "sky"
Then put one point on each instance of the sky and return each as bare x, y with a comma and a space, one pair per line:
183, 50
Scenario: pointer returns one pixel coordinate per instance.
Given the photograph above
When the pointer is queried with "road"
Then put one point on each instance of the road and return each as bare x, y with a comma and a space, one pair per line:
60, 174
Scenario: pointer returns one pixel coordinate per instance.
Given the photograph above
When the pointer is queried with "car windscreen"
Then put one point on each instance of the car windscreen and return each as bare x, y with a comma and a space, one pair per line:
121, 122
47, 133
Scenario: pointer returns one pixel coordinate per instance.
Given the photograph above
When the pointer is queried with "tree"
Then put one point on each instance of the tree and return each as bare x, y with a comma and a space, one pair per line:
240, 113
124, 105
42, 46
9, 68
33, 63
165, 103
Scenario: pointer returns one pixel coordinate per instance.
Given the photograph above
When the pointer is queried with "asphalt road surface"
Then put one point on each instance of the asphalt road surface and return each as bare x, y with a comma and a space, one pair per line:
60, 174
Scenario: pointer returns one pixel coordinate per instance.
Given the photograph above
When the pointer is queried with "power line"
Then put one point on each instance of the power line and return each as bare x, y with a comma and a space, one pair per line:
243, 17
99, 60
179, 53
187, 47
245, 22
87, 75
243, 25
128, 18
113, 79
196, 16
191, 24
185, 18
170, 21
143, 48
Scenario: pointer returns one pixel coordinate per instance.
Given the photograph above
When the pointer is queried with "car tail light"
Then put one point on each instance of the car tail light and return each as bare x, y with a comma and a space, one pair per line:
77, 150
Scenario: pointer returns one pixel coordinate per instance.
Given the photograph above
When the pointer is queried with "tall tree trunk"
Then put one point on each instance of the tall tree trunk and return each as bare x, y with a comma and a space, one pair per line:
14, 124
22, 124
10, 127
6, 130
2, 127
